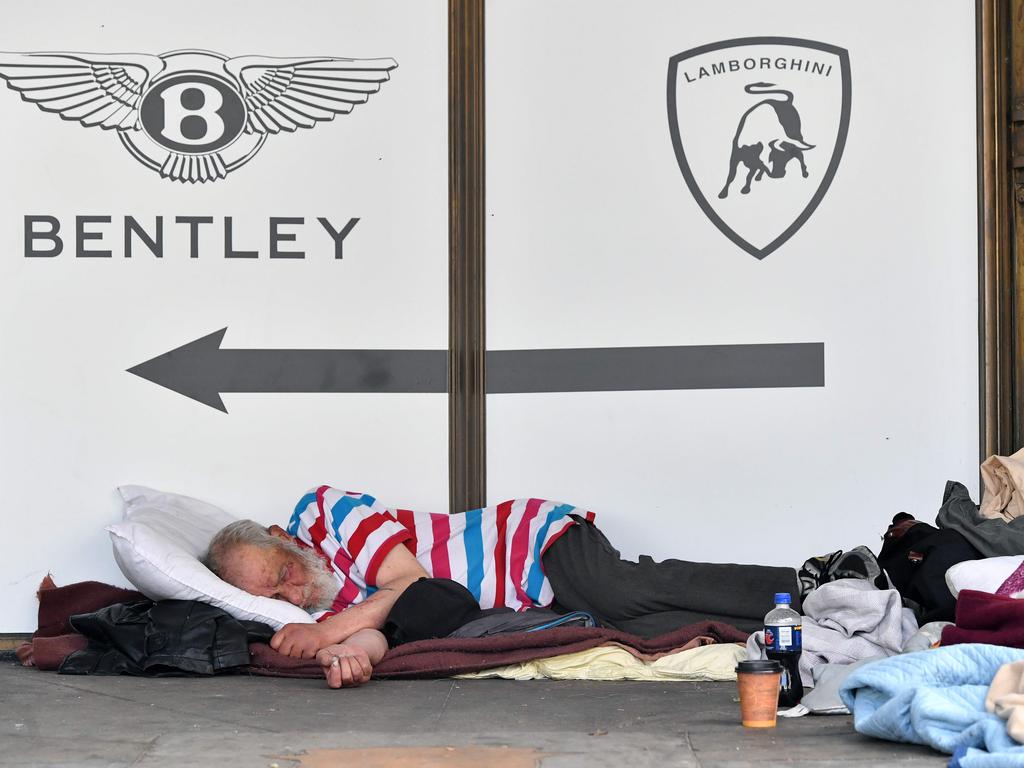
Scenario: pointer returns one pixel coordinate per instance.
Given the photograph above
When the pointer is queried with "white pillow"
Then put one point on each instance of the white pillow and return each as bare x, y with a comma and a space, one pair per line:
985, 575
158, 545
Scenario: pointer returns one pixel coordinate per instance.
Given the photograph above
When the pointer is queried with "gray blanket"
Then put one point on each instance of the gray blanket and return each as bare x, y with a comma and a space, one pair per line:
846, 621
993, 537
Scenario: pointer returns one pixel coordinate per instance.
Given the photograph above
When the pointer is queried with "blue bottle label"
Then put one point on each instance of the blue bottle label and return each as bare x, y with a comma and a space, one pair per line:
783, 638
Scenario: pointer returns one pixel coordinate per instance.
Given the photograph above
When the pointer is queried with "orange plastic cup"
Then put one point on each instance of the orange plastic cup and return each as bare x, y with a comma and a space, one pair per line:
759, 683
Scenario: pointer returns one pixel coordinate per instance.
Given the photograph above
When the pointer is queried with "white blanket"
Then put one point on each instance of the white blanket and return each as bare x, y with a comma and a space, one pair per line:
846, 621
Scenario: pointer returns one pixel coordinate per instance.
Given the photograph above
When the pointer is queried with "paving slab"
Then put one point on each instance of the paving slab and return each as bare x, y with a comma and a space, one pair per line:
49, 720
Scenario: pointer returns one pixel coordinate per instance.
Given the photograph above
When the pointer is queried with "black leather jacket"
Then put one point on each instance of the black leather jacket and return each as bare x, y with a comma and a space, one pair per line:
169, 637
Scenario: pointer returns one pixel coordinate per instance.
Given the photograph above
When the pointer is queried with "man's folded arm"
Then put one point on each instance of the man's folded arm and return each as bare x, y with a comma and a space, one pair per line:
396, 572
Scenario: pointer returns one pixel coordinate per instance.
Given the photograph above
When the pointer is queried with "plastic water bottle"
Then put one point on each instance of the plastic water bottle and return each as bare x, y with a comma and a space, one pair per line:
782, 629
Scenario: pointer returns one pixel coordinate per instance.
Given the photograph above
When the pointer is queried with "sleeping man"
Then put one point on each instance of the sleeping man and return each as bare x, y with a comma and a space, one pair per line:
349, 556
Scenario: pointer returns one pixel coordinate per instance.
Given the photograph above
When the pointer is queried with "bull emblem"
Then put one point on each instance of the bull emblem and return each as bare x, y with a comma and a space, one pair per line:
767, 138
734, 99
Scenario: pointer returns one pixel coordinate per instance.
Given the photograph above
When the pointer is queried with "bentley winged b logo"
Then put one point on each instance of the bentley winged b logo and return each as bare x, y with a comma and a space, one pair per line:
193, 115
758, 126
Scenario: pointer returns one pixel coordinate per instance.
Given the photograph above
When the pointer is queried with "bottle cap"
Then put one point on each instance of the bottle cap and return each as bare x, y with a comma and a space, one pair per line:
783, 597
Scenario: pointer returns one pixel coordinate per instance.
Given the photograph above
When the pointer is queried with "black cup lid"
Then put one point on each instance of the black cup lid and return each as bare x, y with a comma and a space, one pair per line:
765, 667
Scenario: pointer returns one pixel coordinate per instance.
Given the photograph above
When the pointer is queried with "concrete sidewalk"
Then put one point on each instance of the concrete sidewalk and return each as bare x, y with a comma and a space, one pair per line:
55, 720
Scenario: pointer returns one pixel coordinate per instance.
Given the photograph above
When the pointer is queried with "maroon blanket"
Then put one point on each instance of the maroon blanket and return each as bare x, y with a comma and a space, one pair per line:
58, 604
55, 639
453, 656
985, 618
427, 658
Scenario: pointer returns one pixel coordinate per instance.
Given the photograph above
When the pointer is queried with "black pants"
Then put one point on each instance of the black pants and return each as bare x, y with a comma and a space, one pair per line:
649, 598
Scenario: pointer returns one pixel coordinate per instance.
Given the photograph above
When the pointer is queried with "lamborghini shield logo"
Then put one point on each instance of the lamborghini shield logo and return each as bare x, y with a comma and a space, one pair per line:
758, 126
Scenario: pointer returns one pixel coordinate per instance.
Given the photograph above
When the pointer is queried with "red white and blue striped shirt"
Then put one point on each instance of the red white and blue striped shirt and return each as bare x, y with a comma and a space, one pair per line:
494, 552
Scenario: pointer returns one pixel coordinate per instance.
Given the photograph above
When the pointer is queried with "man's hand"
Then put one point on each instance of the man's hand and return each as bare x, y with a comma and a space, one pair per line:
300, 641
345, 665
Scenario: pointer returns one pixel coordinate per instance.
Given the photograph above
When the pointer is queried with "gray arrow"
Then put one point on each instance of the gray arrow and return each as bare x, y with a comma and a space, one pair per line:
202, 370
622, 369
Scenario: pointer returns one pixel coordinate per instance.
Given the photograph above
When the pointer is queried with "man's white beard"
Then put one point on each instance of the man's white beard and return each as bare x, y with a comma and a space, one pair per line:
323, 585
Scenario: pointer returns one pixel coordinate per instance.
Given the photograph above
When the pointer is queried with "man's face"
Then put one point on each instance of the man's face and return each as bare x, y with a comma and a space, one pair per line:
284, 572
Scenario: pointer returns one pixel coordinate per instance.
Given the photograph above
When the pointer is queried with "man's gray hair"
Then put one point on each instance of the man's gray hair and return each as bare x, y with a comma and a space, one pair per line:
230, 536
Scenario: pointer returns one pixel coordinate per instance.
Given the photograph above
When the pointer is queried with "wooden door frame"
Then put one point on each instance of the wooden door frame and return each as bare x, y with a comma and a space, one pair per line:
1000, 46
467, 413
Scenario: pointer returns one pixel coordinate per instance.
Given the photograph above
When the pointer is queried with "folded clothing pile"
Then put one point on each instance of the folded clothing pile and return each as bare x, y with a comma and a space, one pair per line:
991, 536
916, 557
973, 548
1003, 477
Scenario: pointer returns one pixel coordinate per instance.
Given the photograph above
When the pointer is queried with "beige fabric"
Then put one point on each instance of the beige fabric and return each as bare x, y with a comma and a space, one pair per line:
1006, 698
1003, 477
607, 662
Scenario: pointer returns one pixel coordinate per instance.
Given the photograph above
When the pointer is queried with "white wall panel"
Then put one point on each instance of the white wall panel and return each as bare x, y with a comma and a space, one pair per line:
594, 240
74, 424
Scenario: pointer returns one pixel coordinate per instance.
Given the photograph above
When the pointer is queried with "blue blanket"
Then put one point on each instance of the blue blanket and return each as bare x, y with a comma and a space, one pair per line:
937, 698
